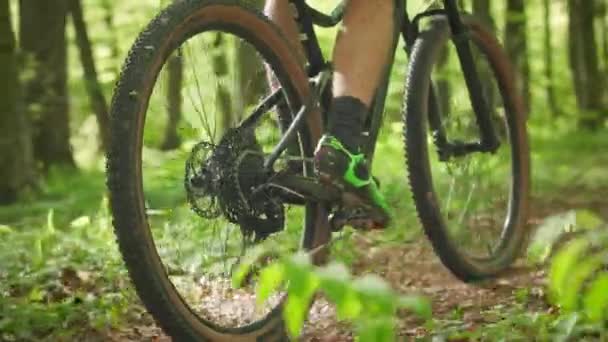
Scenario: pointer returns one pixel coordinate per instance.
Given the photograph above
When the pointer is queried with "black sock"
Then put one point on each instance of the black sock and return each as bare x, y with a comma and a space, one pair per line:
346, 116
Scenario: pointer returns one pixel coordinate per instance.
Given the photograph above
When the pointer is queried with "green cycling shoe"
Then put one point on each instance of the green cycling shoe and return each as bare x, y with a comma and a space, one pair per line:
364, 207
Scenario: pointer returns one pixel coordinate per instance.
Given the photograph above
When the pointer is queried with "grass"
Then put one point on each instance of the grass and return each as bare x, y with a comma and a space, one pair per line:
61, 276
61, 268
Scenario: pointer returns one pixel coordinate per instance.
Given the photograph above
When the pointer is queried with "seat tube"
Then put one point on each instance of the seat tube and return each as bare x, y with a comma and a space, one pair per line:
308, 37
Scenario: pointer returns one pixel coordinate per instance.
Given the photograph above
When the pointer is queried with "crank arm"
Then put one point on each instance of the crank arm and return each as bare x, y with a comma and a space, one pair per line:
300, 189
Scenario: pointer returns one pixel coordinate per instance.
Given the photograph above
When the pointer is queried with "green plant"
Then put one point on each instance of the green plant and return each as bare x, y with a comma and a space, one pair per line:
578, 281
366, 301
62, 269
557, 228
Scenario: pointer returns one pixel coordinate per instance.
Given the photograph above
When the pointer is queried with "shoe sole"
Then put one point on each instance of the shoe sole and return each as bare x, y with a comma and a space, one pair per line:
376, 218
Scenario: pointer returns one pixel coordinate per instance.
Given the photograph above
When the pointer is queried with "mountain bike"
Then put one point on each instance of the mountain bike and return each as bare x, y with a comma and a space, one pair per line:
251, 115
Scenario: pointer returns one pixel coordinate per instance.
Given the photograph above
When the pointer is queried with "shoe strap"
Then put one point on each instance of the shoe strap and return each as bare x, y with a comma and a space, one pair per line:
354, 159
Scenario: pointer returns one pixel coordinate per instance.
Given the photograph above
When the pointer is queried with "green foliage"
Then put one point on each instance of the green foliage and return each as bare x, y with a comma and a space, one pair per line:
61, 268
577, 285
579, 268
578, 279
506, 325
367, 301
65, 233
559, 226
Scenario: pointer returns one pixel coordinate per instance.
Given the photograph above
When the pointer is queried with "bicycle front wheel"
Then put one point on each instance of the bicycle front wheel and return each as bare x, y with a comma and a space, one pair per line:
473, 208
186, 207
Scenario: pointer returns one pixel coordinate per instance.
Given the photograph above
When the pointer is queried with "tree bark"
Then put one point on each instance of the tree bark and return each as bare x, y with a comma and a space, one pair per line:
574, 49
462, 5
442, 82
222, 90
17, 168
96, 97
516, 44
173, 95
175, 77
43, 40
250, 75
483, 11
602, 22
605, 32
584, 63
548, 52
108, 18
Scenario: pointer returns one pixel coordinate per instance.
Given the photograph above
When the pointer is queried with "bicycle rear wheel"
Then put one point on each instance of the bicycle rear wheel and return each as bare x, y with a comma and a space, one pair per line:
473, 208
181, 245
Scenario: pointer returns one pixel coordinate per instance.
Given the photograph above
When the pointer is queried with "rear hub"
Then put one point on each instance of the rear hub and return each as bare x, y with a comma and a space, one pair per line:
226, 179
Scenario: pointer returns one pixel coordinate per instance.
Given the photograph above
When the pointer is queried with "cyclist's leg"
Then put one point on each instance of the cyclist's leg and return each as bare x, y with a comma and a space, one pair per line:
362, 48
361, 52
360, 55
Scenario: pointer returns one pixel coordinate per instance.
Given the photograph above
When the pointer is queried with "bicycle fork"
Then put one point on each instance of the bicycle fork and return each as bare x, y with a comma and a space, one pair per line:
488, 141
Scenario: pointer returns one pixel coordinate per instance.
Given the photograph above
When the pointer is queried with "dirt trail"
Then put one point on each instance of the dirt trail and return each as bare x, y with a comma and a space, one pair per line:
414, 269
410, 269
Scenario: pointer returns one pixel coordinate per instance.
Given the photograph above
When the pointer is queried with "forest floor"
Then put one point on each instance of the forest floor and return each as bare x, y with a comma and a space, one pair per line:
509, 306
62, 279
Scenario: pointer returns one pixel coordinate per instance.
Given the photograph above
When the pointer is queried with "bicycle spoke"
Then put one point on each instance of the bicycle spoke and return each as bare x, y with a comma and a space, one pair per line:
202, 253
469, 185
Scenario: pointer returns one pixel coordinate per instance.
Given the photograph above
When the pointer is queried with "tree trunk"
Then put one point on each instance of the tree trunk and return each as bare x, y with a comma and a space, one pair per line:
462, 5
482, 10
174, 101
517, 46
98, 101
548, 52
602, 22
173, 95
605, 33
250, 75
250, 80
574, 49
442, 82
584, 63
108, 18
222, 90
17, 169
43, 40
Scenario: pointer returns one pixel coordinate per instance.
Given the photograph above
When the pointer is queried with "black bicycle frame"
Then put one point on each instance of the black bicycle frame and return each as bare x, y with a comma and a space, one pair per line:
307, 17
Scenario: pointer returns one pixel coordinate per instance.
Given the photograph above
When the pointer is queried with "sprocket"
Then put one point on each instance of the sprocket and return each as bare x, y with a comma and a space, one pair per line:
225, 179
